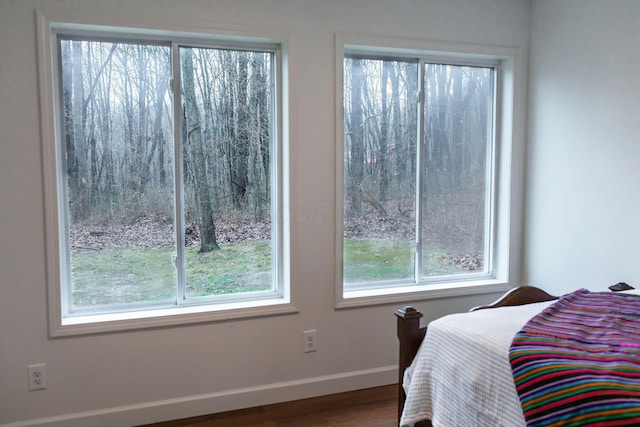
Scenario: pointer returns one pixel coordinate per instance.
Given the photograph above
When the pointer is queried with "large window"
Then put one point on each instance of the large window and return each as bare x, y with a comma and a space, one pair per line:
419, 177
168, 173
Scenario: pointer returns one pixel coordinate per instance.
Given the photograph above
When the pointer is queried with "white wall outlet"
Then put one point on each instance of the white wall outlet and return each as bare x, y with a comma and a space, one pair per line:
37, 376
310, 340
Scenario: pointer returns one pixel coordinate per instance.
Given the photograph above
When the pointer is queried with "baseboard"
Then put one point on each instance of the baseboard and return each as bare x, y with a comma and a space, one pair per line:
209, 403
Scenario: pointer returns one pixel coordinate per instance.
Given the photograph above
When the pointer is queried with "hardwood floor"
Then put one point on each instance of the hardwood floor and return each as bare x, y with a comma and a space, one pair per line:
374, 407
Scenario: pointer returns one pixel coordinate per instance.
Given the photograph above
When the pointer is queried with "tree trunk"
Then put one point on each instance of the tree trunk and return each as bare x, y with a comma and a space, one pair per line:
408, 172
385, 132
70, 146
81, 203
356, 136
194, 143
240, 180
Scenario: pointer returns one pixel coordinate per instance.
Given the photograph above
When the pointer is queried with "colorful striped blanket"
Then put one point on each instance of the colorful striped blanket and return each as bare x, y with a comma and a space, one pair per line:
578, 362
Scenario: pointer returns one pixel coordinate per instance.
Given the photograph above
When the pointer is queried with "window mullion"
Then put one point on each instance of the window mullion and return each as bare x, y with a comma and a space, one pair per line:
419, 181
180, 259
491, 176
276, 146
66, 292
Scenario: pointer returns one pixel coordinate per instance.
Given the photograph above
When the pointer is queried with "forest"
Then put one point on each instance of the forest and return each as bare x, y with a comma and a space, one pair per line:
119, 134
130, 175
122, 160
398, 144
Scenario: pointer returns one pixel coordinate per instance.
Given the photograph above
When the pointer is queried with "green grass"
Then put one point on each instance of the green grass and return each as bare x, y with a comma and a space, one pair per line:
125, 275
122, 275
243, 267
377, 259
384, 259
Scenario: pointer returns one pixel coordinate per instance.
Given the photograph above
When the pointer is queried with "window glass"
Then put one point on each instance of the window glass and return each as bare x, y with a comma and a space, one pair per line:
165, 203
119, 172
416, 215
380, 123
458, 112
227, 117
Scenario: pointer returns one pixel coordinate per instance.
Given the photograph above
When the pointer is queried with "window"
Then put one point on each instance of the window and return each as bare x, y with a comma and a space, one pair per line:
168, 197
421, 154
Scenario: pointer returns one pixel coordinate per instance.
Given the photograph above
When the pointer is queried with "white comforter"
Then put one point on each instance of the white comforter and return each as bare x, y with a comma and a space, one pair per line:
451, 388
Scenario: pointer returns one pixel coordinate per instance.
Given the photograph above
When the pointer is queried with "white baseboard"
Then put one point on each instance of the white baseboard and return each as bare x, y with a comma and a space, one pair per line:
209, 403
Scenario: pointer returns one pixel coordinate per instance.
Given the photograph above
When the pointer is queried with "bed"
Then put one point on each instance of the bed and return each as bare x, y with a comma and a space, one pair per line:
445, 386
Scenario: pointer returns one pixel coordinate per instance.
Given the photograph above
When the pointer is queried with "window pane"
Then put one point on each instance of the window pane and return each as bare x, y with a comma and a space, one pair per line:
119, 172
380, 122
227, 102
458, 113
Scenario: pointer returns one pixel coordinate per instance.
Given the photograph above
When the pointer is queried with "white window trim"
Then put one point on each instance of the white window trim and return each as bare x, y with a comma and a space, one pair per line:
59, 325
509, 165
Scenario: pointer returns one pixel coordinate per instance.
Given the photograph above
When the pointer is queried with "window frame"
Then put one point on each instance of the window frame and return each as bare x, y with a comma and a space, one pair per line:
506, 201
61, 321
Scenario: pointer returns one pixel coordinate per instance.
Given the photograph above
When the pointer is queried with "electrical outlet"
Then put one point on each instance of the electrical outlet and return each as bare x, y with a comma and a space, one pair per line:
37, 376
310, 340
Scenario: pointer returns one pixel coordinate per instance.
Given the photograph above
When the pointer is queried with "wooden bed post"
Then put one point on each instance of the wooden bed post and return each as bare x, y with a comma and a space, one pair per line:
410, 335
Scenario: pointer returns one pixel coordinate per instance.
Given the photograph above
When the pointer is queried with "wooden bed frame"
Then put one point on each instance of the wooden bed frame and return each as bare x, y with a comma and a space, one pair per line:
410, 334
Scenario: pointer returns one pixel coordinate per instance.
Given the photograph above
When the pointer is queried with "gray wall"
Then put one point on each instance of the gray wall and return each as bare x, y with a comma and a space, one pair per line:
583, 180
145, 376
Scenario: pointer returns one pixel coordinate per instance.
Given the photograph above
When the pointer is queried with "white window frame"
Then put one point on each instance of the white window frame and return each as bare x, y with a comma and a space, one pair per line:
507, 173
61, 321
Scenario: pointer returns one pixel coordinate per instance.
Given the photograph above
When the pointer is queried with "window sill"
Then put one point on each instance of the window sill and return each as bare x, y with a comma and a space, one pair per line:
413, 292
143, 319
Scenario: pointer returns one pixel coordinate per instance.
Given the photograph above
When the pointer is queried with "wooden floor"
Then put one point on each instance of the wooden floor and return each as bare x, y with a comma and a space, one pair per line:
374, 407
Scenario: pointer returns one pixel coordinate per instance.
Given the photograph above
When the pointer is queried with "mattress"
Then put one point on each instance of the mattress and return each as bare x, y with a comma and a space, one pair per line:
461, 375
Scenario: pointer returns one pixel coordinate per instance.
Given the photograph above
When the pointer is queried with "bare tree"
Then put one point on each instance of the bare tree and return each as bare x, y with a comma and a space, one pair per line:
194, 148
354, 144
118, 127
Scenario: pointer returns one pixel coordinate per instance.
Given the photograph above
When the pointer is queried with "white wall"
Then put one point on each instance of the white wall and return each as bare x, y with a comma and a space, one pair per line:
583, 199
145, 376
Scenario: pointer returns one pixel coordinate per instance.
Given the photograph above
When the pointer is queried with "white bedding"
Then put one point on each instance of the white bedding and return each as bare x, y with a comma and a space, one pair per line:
450, 388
